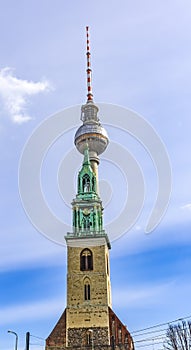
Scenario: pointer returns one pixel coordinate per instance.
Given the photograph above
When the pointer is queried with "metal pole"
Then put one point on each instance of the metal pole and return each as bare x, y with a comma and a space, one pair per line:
16, 339
27, 340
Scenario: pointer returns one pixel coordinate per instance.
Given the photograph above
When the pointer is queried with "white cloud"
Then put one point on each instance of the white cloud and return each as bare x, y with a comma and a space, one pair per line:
14, 93
138, 228
28, 248
35, 310
186, 206
141, 296
153, 303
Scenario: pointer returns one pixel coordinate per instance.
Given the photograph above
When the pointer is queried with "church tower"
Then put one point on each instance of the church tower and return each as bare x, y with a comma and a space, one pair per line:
88, 320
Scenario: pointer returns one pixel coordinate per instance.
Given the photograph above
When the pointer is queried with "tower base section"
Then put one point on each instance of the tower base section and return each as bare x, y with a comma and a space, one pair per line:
114, 337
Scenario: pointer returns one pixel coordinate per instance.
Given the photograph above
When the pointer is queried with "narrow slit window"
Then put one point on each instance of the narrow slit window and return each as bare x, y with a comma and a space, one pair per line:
87, 292
88, 339
126, 341
119, 335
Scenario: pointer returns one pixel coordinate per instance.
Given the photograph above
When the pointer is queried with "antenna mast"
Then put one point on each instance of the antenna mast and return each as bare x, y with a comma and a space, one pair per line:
89, 71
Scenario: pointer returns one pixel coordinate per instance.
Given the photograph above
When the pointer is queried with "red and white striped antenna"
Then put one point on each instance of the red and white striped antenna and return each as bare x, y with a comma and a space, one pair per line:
89, 71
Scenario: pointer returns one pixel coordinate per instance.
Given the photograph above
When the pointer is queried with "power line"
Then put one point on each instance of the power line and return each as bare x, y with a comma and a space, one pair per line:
146, 339
155, 336
159, 336
35, 336
156, 331
154, 340
151, 344
161, 324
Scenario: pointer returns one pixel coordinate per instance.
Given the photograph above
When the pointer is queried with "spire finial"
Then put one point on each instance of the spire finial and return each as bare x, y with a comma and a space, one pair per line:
89, 71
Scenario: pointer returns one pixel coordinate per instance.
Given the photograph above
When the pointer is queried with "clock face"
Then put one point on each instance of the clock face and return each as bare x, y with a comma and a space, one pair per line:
86, 211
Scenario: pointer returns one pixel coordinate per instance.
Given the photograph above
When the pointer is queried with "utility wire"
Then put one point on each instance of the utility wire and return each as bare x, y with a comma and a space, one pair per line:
159, 336
156, 331
35, 336
39, 345
151, 344
161, 324
146, 339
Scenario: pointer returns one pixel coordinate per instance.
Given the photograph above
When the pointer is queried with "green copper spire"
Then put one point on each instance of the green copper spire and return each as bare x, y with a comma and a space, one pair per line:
87, 180
87, 206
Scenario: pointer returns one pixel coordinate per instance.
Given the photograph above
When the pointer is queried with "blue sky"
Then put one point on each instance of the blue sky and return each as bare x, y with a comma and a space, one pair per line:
141, 56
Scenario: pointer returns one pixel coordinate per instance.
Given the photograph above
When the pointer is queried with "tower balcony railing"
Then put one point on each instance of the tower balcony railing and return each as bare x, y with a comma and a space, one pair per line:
100, 235
86, 232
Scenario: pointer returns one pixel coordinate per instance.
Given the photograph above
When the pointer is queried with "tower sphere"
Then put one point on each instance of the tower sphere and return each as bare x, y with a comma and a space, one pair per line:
91, 132
95, 136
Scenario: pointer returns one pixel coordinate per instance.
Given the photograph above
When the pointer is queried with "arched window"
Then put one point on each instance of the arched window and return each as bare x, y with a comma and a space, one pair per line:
86, 222
86, 260
119, 334
87, 289
86, 183
93, 185
89, 337
126, 342
78, 183
107, 262
113, 326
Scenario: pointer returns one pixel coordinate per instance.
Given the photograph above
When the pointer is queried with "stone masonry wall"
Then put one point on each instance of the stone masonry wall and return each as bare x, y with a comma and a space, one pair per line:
79, 337
93, 312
